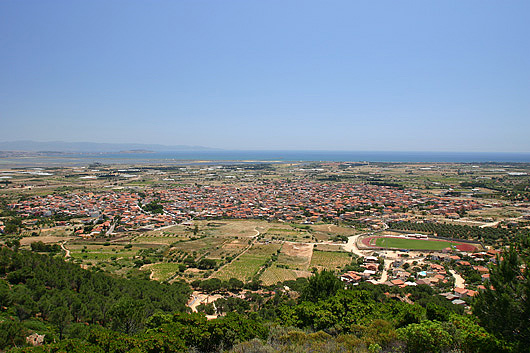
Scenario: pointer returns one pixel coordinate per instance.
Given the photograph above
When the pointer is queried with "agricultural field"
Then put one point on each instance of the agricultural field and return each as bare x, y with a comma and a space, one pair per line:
231, 247
56, 231
95, 253
288, 234
116, 258
329, 247
162, 271
326, 232
248, 264
233, 228
143, 239
200, 246
26, 241
275, 274
161, 253
330, 260
171, 231
295, 256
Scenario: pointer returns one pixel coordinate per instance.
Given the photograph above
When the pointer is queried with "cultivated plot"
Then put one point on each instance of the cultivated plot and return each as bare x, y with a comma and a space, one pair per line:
295, 256
275, 274
248, 264
330, 260
162, 271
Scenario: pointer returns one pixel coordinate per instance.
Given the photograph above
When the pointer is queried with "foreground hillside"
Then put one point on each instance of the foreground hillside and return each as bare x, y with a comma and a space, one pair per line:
81, 310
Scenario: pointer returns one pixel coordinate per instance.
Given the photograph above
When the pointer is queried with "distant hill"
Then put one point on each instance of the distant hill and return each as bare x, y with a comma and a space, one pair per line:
87, 147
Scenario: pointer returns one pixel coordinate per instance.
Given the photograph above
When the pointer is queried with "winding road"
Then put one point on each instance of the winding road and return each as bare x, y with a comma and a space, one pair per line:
67, 255
351, 245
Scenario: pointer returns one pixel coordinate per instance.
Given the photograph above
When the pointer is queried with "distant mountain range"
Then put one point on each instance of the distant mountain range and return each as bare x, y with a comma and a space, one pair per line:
91, 147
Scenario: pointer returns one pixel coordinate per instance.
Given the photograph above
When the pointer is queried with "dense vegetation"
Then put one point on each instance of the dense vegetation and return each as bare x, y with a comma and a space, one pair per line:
154, 207
86, 311
506, 188
40, 286
488, 235
505, 307
39, 246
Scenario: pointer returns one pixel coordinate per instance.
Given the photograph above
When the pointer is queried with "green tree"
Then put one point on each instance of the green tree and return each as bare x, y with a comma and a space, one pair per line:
428, 336
321, 286
206, 264
61, 317
504, 309
476, 339
234, 284
12, 334
128, 315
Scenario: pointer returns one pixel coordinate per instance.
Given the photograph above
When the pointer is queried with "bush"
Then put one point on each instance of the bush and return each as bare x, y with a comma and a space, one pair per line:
12, 333
428, 336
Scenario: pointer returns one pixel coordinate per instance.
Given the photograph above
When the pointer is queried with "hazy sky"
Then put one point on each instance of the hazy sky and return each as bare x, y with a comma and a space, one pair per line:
333, 75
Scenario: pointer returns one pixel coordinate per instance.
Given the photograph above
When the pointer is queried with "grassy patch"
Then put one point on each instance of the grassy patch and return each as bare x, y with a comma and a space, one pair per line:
163, 271
330, 260
248, 264
328, 247
412, 244
275, 274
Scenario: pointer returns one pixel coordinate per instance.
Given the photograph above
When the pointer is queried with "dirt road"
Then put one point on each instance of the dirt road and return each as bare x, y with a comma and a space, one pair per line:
351, 245
67, 255
459, 281
384, 275
200, 298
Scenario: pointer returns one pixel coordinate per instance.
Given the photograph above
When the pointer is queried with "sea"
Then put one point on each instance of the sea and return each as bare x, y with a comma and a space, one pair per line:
226, 156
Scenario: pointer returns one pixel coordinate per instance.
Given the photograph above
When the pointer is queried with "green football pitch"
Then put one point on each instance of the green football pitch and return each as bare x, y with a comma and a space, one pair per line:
412, 244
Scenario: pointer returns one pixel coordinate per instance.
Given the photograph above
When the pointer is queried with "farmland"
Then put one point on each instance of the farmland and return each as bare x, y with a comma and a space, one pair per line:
274, 274
248, 264
162, 271
296, 256
330, 260
243, 249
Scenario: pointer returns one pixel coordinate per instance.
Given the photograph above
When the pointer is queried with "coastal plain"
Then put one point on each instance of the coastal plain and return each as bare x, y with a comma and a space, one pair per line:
262, 222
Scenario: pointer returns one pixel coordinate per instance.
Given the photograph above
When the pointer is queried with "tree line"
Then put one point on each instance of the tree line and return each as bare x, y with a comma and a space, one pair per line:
488, 235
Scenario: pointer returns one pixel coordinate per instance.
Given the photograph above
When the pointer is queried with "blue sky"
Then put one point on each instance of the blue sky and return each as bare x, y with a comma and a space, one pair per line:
306, 75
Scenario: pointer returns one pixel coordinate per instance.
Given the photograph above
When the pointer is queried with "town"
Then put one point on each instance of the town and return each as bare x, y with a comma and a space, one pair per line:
274, 223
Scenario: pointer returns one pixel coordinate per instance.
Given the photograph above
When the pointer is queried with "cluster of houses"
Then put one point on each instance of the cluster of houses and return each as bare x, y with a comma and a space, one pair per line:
79, 204
302, 201
435, 275
124, 206
371, 267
